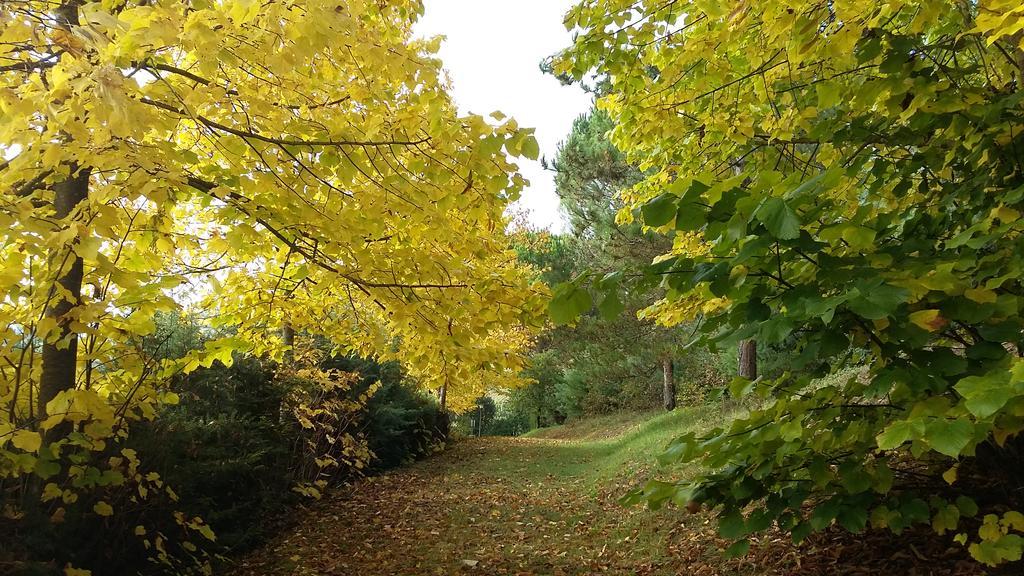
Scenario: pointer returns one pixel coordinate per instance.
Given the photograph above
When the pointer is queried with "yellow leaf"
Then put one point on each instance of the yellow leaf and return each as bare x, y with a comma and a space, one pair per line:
930, 320
88, 247
1005, 214
27, 440
103, 509
1014, 520
980, 295
51, 492
207, 533
990, 528
950, 475
52, 421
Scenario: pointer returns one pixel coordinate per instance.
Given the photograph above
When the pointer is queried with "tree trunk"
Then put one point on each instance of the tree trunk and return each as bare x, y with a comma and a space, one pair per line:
668, 390
444, 423
60, 355
284, 414
288, 338
748, 359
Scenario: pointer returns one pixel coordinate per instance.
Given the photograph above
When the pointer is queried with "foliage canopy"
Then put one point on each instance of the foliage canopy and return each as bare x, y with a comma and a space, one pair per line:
294, 164
848, 176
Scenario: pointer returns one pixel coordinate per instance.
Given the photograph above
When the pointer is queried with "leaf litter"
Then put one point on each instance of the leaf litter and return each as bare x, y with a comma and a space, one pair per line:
528, 507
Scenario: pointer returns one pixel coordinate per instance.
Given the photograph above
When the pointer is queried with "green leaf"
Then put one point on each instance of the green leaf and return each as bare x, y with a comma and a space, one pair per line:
692, 212
1007, 331
968, 507
738, 549
868, 49
780, 220
828, 94
611, 307
569, 303
986, 395
632, 497
659, 211
896, 434
854, 477
949, 437
853, 518
655, 493
731, 525
915, 510
530, 147
825, 513
801, 531
46, 468
876, 300
791, 430
690, 216
776, 329
740, 387
1008, 548
946, 518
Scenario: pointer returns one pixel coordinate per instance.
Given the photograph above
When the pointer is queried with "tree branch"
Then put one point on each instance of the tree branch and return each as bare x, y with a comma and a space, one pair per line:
278, 141
363, 285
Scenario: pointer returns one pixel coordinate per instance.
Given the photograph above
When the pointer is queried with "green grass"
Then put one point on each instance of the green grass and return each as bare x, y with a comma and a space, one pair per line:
619, 445
631, 442
596, 427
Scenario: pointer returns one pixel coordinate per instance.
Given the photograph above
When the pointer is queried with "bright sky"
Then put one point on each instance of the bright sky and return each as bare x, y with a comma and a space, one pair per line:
493, 53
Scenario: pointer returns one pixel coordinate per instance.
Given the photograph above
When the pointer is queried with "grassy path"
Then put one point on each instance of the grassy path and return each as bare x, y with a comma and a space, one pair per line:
527, 506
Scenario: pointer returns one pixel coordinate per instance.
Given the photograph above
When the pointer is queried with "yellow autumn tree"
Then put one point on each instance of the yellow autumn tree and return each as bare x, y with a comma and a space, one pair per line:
295, 163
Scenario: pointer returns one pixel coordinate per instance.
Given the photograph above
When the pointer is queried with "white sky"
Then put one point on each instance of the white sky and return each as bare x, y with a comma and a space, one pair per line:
493, 53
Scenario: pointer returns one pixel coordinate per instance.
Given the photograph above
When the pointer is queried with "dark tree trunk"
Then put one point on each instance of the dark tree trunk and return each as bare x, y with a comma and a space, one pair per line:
60, 355
748, 359
288, 337
668, 389
284, 414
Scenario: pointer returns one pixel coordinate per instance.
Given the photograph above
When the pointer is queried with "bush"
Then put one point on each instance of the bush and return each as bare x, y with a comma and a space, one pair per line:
226, 449
403, 425
240, 448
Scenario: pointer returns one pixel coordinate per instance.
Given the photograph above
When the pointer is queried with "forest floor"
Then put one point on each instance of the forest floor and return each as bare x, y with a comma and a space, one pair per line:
548, 506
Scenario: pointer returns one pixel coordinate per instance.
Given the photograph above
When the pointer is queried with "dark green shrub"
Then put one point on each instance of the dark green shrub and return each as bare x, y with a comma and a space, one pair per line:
402, 424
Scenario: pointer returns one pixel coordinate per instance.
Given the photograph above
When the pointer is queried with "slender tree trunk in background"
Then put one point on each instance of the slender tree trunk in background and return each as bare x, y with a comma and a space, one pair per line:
287, 363
60, 355
288, 337
748, 348
748, 359
669, 384
444, 423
